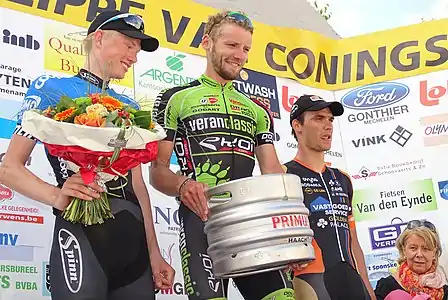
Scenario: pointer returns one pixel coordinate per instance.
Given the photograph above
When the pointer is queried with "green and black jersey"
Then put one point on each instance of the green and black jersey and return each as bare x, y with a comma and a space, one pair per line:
215, 129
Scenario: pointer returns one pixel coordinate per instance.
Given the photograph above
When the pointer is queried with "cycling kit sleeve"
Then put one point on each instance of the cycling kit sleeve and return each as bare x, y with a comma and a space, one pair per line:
215, 130
108, 261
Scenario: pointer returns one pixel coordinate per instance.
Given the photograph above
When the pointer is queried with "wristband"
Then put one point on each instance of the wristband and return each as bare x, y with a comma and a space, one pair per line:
182, 185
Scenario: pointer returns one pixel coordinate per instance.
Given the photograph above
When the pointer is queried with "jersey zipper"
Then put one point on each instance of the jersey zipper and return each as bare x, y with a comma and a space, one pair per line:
334, 218
232, 166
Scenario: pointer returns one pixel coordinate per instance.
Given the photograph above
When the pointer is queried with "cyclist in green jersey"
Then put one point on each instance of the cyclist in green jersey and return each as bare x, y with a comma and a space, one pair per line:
215, 132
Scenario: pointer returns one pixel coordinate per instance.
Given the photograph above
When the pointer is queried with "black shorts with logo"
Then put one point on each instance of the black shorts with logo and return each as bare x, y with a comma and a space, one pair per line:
109, 261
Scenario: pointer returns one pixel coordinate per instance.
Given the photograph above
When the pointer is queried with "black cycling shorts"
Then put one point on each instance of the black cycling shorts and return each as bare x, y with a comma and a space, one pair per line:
199, 280
102, 262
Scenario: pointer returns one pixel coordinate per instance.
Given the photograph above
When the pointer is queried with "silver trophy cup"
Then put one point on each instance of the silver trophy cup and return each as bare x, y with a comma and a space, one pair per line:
258, 224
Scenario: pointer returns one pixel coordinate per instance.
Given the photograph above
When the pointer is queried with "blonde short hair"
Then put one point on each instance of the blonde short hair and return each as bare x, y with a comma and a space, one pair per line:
215, 22
431, 238
87, 43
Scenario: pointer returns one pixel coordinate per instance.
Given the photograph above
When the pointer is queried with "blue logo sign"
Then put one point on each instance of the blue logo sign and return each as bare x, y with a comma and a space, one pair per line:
260, 87
320, 204
443, 189
385, 236
375, 95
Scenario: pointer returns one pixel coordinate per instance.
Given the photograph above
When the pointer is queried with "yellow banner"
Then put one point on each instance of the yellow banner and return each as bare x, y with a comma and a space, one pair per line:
307, 57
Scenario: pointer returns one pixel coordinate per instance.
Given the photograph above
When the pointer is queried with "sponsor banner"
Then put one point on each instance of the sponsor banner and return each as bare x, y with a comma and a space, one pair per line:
22, 52
322, 63
380, 265
19, 277
165, 68
433, 90
409, 197
385, 236
261, 88
435, 130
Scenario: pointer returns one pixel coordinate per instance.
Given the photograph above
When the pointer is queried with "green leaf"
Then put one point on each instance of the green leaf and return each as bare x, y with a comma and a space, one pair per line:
65, 103
181, 56
142, 118
112, 116
83, 101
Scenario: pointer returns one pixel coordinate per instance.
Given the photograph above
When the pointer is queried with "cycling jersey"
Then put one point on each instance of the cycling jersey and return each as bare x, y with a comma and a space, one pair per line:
111, 259
328, 196
215, 130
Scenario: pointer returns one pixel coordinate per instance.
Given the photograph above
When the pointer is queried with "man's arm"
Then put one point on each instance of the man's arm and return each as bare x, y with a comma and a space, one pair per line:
145, 203
166, 112
162, 177
356, 247
268, 159
16, 176
359, 260
265, 150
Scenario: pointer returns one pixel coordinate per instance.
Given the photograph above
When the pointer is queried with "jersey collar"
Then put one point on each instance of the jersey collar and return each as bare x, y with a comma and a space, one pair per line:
91, 78
209, 82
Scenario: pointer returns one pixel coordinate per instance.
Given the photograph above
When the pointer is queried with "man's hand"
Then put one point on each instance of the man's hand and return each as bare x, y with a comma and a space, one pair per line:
162, 272
74, 187
192, 194
297, 267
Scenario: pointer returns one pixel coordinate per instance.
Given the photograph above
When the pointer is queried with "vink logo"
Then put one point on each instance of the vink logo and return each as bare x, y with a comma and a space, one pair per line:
25, 42
71, 257
386, 236
375, 95
443, 189
369, 141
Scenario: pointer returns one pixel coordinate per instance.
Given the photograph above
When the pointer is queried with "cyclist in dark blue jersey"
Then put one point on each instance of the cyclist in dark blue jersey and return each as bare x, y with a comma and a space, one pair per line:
119, 259
339, 271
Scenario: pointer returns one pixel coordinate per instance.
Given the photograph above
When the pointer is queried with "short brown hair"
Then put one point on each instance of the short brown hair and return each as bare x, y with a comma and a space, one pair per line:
432, 241
215, 22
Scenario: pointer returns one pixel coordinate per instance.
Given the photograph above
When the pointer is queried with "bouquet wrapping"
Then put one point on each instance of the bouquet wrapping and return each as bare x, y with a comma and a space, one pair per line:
99, 136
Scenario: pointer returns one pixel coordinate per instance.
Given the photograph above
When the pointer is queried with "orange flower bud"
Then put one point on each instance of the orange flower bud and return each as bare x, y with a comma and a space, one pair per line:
90, 120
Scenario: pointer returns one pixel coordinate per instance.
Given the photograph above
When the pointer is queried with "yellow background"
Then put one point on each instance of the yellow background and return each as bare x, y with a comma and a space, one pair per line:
288, 37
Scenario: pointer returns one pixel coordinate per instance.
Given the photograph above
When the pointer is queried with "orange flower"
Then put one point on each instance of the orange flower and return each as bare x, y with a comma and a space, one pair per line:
90, 120
111, 103
64, 115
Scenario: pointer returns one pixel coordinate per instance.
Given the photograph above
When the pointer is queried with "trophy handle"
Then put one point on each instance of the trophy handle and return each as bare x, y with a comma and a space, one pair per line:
218, 190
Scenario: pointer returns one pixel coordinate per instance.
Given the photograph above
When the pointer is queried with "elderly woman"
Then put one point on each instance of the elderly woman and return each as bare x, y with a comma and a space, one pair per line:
419, 273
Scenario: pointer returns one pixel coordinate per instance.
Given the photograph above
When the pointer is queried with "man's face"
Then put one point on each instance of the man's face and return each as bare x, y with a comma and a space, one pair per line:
317, 130
118, 53
229, 50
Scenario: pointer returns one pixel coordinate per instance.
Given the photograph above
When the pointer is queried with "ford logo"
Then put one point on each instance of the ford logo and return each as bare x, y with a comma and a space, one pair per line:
375, 95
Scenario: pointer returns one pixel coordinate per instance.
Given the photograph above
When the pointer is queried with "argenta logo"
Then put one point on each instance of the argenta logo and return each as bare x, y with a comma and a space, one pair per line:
71, 260
375, 95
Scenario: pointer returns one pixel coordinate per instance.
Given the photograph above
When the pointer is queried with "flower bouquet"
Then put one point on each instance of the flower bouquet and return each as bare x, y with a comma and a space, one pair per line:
99, 136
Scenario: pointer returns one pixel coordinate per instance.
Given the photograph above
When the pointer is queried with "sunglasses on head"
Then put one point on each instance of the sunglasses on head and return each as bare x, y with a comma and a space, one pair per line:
417, 223
133, 20
237, 17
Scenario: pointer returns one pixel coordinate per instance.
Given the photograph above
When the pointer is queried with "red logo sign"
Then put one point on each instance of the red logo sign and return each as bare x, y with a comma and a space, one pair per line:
364, 173
287, 100
289, 221
5, 193
212, 100
431, 96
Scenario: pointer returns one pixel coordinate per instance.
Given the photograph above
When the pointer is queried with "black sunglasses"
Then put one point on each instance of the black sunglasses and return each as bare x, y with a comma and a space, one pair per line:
417, 223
